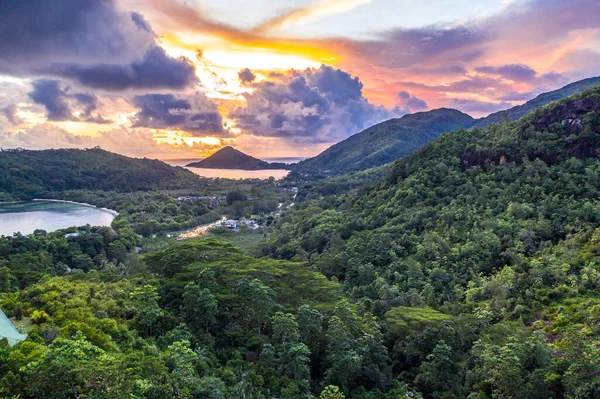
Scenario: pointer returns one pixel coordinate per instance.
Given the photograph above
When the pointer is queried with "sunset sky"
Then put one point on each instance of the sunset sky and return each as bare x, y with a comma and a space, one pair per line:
180, 79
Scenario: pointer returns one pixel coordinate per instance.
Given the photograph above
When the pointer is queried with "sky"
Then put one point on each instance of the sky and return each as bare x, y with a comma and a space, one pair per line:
174, 79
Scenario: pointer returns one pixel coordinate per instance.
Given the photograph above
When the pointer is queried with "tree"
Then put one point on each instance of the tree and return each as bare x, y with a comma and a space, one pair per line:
583, 358
436, 373
200, 306
181, 361
39, 317
145, 300
310, 322
235, 196
342, 354
72, 367
506, 369
6, 280
285, 327
116, 251
294, 359
256, 301
211, 388
331, 392
239, 209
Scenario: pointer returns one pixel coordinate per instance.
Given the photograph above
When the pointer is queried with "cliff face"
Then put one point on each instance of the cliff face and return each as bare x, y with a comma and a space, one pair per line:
570, 115
540, 101
564, 130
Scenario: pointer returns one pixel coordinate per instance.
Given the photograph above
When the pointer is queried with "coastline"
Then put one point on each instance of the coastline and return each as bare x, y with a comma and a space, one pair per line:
111, 211
11, 202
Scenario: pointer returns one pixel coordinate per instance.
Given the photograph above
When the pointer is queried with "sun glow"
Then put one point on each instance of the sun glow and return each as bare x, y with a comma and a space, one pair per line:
260, 59
178, 137
218, 63
256, 54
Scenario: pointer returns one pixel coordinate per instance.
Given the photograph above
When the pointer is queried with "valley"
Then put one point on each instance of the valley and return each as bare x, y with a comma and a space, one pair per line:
472, 256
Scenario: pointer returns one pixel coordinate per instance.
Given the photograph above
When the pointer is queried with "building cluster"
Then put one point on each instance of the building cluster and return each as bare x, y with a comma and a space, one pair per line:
237, 224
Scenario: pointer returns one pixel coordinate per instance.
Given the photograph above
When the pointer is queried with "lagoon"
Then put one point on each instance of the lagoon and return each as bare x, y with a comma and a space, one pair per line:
236, 173
26, 217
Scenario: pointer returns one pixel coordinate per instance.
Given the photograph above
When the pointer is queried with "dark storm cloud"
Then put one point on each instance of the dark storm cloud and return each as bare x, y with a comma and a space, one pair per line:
49, 94
156, 70
141, 22
414, 104
197, 114
10, 113
246, 76
311, 106
159, 108
88, 41
62, 106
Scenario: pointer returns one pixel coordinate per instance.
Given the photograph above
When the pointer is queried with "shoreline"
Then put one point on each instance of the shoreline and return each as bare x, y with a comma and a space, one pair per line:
111, 211
11, 202
239, 174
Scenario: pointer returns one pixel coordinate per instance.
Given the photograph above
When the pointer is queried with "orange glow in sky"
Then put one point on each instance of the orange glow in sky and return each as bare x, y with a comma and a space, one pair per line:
316, 71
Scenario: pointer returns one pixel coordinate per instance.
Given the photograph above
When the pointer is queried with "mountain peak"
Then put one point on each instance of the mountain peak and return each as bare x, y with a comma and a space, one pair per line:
227, 148
386, 141
230, 158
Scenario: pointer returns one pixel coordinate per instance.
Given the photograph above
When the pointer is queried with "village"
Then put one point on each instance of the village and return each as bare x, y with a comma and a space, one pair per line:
231, 224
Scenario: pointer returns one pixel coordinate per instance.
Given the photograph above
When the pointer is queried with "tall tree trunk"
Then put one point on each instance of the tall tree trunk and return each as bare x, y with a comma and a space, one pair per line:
74, 391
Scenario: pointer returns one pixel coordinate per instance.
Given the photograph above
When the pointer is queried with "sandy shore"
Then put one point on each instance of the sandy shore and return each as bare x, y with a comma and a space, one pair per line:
111, 211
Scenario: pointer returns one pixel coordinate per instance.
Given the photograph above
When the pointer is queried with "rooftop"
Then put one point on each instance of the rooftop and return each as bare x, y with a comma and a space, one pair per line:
8, 331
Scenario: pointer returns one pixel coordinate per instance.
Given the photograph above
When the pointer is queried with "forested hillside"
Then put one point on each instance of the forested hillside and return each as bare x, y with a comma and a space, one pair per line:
26, 174
479, 253
393, 139
543, 99
204, 321
468, 269
385, 142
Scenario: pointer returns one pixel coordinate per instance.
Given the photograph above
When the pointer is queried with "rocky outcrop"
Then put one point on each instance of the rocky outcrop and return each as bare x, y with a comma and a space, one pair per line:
569, 115
571, 118
478, 158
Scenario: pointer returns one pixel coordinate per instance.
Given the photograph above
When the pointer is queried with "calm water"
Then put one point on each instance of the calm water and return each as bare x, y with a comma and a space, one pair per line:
50, 216
235, 173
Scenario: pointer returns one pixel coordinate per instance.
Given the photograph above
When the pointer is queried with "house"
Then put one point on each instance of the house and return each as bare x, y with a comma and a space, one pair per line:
230, 224
8, 331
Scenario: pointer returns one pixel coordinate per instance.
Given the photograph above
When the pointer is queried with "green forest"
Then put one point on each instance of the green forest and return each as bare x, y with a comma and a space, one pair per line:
467, 269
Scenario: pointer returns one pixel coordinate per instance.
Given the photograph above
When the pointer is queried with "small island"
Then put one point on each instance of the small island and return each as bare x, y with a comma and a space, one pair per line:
230, 158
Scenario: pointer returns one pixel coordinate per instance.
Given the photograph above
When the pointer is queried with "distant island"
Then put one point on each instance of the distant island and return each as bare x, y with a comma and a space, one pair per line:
230, 158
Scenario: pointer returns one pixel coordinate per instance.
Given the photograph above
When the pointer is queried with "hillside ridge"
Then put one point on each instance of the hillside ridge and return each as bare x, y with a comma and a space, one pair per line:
392, 139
